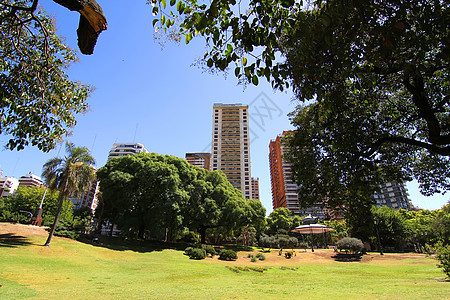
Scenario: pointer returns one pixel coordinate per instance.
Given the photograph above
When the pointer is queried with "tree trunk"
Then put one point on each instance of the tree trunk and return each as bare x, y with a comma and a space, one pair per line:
111, 230
92, 22
52, 231
98, 226
141, 229
202, 231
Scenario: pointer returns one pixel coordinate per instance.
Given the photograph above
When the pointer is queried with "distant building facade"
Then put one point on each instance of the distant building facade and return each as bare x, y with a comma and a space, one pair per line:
231, 145
8, 186
202, 160
88, 199
255, 188
122, 149
284, 190
30, 180
393, 195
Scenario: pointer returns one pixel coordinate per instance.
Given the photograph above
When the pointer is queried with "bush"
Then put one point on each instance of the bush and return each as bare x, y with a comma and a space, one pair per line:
190, 237
253, 259
443, 255
288, 254
227, 254
188, 251
350, 244
209, 250
197, 253
260, 256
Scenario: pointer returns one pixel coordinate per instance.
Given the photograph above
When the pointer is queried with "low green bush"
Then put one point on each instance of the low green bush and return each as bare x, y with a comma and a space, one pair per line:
190, 237
188, 251
227, 254
260, 256
209, 250
288, 254
197, 253
443, 255
350, 244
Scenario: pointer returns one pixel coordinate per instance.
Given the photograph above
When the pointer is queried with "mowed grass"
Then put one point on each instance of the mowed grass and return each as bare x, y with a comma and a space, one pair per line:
70, 269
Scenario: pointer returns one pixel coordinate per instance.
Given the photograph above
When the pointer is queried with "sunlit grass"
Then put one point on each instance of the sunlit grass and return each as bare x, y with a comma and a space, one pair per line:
70, 269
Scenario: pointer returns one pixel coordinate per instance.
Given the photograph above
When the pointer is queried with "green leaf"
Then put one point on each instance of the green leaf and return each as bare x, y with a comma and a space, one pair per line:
244, 61
163, 3
163, 19
172, 2
237, 71
255, 80
209, 63
155, 21
179, 6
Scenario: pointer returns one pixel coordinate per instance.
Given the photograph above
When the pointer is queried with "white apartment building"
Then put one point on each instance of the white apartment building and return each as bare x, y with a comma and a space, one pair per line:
8, 185
121, 149
231, 145
30, 180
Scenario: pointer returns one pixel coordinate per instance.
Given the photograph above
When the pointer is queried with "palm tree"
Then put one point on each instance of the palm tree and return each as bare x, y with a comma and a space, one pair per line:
71, 175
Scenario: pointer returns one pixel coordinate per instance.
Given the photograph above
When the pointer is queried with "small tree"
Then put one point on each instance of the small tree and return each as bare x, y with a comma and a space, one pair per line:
443, 255
350, 244
227, 254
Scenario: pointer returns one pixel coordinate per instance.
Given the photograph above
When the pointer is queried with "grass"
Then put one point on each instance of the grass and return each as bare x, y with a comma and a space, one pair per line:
70, 269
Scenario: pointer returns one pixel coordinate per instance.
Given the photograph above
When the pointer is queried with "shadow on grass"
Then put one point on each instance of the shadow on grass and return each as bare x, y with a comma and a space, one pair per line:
122, 244
13, 241
346, 257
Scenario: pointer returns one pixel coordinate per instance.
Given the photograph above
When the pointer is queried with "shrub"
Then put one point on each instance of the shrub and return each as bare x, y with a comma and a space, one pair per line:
253, 259
303, 245
209, 250
350, 244
197, 253
288, 254
227, 254
443, 255
250, 255
260, 256
188, 251
190, 237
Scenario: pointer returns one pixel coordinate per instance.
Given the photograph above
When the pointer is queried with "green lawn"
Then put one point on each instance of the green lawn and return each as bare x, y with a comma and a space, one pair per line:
70, 269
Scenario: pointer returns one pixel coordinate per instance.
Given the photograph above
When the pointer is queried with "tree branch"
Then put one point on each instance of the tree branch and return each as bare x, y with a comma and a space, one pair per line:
445, 151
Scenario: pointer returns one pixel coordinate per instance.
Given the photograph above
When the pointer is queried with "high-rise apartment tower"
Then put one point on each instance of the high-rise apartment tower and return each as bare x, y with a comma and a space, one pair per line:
202, 160
231, 145
284, 190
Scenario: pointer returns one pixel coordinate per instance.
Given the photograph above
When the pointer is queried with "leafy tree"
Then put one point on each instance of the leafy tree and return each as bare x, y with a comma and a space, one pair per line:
350, 244
377, 72
441, 225
212, 203
419, 226
38, 101
443, 255
145, 191
279, 219
70, 176
28, 199
391, 226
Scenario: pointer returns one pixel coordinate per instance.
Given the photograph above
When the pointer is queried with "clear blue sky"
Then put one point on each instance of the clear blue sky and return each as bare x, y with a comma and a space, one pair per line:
157, 98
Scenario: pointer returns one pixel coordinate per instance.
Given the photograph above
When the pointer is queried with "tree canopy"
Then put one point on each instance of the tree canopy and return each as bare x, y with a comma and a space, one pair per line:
374, 75
38, 100
71, 175
148, 192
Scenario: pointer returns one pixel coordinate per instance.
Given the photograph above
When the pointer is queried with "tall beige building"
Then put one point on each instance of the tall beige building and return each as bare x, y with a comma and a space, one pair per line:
202, 160
231, 145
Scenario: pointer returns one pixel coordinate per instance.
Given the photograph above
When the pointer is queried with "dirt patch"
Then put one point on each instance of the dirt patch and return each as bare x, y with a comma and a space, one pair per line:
22, 230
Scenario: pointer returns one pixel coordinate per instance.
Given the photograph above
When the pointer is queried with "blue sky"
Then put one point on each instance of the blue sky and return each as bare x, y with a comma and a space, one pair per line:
157, 98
